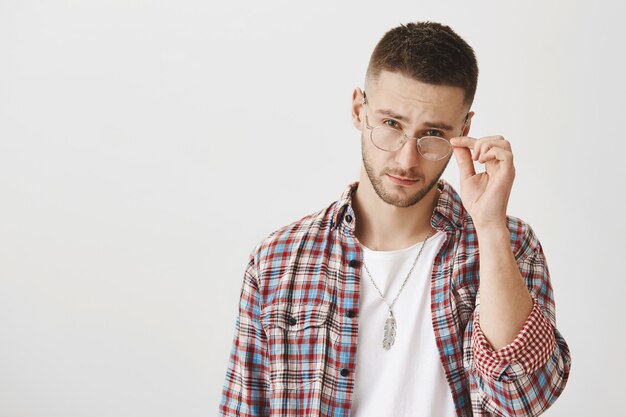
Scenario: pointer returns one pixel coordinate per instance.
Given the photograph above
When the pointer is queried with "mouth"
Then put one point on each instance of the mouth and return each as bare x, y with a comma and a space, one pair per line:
402, 181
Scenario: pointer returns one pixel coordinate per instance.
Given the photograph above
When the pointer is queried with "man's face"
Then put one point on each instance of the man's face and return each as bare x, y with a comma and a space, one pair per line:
403, 177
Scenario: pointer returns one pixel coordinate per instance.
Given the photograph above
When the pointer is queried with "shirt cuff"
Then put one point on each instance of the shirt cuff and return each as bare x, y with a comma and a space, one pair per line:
531, 349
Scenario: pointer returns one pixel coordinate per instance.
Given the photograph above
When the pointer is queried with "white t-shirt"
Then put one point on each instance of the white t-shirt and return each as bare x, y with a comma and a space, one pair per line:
408, 379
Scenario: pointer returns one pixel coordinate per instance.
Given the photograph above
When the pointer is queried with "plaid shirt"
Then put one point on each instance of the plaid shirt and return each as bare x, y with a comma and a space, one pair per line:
294, 349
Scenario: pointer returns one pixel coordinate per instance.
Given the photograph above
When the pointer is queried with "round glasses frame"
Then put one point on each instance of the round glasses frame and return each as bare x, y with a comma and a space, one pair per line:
405, 138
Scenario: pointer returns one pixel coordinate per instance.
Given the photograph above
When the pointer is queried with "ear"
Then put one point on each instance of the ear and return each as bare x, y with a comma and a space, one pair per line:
468, 124
357, 107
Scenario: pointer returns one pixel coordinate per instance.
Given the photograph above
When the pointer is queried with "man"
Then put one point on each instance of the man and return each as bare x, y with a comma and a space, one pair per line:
404, 298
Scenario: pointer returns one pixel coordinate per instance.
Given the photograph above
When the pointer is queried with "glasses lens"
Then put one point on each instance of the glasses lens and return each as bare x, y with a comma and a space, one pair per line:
386, 138
434, 148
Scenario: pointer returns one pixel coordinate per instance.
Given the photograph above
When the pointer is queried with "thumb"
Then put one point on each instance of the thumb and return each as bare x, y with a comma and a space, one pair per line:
464, 161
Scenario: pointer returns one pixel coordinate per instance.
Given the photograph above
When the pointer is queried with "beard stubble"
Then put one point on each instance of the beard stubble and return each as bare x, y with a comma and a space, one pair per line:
394, 200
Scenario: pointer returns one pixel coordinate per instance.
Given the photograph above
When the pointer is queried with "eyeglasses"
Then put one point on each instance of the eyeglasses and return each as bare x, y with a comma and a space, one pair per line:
390, 138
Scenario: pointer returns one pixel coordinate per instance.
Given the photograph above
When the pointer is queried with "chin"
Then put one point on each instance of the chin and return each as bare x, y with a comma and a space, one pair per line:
402, 198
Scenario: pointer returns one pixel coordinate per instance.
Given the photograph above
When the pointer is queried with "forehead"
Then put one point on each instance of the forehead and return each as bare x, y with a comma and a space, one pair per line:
409, 97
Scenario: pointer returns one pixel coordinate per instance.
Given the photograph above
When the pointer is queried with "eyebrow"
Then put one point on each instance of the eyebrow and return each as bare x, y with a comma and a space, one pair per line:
438, 125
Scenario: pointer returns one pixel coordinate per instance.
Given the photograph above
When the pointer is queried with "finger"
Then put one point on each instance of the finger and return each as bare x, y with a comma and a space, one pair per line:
481, 148
496, 153
464, 161
463, 141
484, 144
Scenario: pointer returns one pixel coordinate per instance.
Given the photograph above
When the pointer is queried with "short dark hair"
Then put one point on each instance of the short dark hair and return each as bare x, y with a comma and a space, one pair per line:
428, 52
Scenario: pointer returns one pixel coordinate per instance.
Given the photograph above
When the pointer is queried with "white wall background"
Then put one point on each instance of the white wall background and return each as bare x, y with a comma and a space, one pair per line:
147, 146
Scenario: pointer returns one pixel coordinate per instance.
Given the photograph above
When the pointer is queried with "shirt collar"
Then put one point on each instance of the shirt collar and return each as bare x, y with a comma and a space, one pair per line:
449, 211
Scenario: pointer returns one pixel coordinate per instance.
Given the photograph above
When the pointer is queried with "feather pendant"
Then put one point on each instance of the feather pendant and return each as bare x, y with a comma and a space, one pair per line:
390, 331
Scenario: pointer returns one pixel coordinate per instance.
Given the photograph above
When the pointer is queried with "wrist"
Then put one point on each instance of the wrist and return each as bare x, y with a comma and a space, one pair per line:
493, 229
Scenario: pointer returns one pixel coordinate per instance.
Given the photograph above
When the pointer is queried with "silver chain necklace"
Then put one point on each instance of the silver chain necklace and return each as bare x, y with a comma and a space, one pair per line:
390, 324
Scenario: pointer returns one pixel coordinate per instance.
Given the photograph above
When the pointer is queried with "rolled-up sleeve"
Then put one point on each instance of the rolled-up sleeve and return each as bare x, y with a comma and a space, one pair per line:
525, 377
531, 348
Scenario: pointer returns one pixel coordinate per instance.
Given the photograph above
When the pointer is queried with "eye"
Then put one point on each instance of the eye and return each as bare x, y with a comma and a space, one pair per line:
392, 124
432, 132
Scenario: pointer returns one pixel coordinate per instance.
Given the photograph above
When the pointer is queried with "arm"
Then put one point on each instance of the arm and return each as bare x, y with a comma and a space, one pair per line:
246, 387
527, 366
525, 376
506, 302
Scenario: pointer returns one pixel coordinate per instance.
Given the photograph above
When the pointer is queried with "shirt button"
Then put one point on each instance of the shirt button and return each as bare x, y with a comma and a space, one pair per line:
292, 321
348, 218
353, 263
344, 372
350, 314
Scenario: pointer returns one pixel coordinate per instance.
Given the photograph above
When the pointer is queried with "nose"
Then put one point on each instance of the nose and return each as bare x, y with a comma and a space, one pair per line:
408, 156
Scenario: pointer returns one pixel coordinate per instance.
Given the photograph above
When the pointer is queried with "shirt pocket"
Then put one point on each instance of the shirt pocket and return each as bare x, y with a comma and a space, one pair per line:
297, 338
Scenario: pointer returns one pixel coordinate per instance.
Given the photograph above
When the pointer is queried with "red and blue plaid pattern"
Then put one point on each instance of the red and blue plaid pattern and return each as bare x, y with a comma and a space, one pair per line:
294, 349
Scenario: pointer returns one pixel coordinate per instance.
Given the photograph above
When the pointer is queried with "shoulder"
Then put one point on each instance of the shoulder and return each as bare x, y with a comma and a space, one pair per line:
293, 256
524, 241
303, 234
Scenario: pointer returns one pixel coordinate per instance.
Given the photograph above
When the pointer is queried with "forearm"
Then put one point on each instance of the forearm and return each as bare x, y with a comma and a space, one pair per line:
505, 302
514, 344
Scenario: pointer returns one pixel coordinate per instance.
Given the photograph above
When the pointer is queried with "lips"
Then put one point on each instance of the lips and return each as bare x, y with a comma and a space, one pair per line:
402, 181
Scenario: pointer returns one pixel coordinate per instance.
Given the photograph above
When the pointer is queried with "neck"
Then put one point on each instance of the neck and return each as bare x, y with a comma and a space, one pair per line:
381, 226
